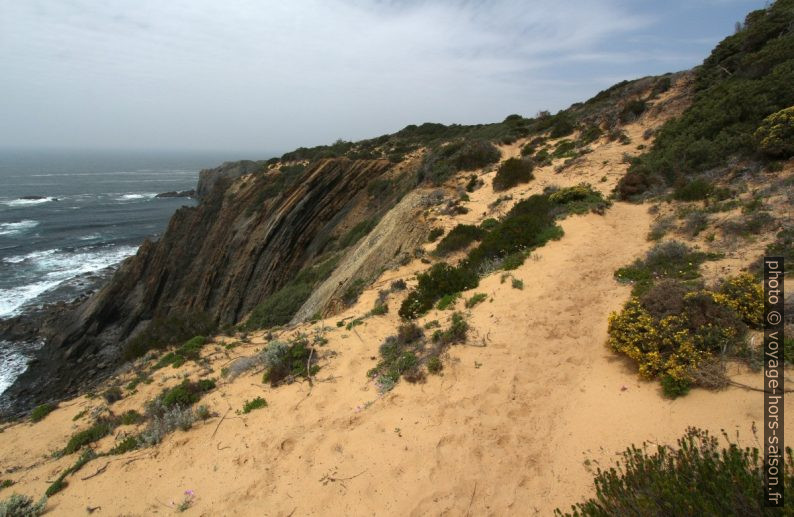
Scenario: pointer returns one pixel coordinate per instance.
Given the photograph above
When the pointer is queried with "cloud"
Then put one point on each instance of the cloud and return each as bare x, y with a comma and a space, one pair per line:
247, 74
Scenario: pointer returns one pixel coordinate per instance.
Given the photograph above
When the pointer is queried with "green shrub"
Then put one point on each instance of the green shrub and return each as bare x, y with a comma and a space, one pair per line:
455, 333
489, 224
512, 172
475, 299
177, 399
693, 190
94, 433
5, 483
434, 365
447, 301
579, 199
562, 125
112, 394
564, 149
460, 155
128, 444
697, 478
518, 284
459, 238
22, 506
41, 411
632, 110
398, 356
285, 362
775, 135
670, 259
435, 233
674, 387
131, 417
257, 403
441, 279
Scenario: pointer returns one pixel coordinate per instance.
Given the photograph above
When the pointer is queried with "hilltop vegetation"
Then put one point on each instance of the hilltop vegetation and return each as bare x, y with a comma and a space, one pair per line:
746, 79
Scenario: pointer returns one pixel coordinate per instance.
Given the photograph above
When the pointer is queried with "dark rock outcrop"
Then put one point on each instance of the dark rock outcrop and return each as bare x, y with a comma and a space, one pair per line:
244, 240
228, 171
174, 193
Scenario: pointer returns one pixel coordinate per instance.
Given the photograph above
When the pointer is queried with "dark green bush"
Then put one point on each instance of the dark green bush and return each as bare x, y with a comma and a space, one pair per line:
131, 417
128, 444
632, 110
512, 172
439, 280
697, 478
460, 155
693, 190
459, 238
435, 233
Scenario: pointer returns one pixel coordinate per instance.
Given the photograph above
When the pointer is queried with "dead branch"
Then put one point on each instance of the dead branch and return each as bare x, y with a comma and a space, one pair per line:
98, 472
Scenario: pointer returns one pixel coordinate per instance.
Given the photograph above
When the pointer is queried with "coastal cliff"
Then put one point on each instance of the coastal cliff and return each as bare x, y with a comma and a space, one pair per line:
253, 230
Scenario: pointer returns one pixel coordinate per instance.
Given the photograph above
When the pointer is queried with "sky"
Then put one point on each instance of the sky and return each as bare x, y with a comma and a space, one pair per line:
268, 76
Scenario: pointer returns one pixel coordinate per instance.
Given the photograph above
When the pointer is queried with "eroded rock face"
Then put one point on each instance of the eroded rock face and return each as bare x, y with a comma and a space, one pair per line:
242, 242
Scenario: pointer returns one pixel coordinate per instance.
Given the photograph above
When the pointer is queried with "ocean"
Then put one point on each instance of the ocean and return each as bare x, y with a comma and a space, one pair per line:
92, 209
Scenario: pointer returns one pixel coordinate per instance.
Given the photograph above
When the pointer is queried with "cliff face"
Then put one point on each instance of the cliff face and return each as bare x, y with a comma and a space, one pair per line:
246, 239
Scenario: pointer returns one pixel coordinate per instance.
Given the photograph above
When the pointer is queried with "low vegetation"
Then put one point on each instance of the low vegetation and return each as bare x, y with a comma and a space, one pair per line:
251, 405
459, 238
281, 306
698, 477
286, 362
675, 330
512, 172
22, 506
41, 411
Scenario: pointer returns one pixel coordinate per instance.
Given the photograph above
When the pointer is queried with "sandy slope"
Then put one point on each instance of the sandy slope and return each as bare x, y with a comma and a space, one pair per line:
505, 430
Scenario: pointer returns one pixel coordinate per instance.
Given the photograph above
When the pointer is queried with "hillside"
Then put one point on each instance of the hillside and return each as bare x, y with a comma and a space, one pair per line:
429, 322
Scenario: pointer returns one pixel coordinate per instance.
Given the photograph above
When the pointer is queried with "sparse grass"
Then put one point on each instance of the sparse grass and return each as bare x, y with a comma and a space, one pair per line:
660, 227
447, 301
475, 299
190, 350
251, 405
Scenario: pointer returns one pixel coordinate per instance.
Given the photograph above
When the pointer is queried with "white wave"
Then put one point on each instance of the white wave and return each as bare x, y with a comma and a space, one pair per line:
13, 361
26, 202
36, 255
132, 197
55, 267
18, 227
91, 237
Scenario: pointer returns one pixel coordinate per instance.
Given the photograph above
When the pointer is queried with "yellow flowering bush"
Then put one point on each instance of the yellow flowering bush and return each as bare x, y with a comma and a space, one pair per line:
673, 347
775, 135
744, 295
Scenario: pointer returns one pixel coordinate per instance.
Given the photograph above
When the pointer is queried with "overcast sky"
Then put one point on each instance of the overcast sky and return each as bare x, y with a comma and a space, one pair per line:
269, 76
